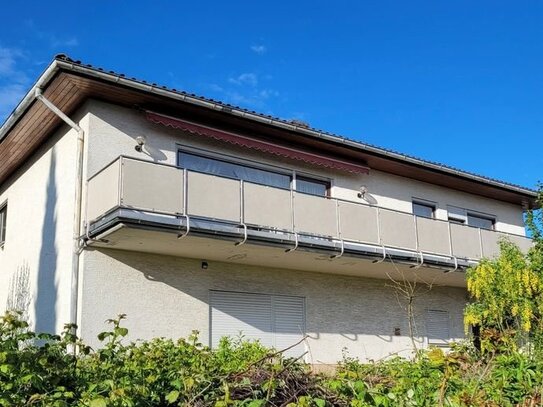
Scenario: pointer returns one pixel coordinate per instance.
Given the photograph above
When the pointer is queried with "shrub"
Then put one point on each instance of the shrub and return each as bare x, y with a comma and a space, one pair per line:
49, 370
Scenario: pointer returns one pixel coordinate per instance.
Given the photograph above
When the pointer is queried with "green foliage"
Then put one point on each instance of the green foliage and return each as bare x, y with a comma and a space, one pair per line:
44, 370
506, 294
507, 300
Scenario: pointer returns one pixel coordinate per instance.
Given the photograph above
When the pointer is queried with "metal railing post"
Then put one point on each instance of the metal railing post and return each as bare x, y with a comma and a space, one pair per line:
379, 234
416, 232
481, 243
450, 238
293, 210
241, 202
338, 220
121, 189
185, 192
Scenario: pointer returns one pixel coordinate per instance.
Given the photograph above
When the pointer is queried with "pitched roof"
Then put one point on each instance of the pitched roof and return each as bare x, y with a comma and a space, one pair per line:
75, 66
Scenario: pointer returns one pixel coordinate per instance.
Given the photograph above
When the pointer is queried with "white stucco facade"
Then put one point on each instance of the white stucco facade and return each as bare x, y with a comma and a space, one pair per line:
114, 131
164, 295
169, 296
36, 259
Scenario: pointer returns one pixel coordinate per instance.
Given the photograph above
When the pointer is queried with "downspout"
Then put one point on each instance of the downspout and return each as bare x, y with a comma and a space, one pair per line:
77, 204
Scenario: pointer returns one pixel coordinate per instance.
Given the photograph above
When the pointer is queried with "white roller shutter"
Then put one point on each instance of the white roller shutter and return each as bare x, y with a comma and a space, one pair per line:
277, 321
437, 327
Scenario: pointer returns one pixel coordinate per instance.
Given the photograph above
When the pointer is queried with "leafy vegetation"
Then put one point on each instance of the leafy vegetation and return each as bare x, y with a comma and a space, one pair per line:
505, 369
44, 370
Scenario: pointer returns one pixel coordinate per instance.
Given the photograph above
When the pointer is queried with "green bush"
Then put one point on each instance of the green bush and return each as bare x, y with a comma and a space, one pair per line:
48, 370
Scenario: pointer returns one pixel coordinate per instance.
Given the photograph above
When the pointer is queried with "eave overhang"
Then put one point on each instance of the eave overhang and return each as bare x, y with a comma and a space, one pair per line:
69, 84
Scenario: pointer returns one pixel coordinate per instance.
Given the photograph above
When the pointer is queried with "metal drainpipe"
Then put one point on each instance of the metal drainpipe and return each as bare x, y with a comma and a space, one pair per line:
77, 204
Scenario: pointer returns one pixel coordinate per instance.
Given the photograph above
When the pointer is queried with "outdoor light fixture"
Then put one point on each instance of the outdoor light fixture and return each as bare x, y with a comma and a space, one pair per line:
141, 141
363, 191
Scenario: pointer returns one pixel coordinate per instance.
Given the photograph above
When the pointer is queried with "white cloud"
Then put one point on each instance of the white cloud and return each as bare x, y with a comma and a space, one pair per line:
259, 49
8, 58
268, 93
13, 81
51, 38
250, 79
10, 96
63, 42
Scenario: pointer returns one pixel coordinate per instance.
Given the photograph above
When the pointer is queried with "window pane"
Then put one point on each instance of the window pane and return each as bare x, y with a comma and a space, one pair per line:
425, 211
312, 187
237, 171
3, 216
480, 222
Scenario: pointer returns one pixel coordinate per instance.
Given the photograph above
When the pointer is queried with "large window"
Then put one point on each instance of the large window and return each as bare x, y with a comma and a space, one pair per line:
224, 168
3, 220
233, 170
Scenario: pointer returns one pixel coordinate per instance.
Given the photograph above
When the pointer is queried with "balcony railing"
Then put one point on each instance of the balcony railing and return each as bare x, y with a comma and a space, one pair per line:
164, 189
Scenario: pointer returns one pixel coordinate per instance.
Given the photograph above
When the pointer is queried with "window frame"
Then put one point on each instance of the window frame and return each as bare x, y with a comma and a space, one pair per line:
3, 223
294, 174
484, 216
314, 180
461, 216
424, 202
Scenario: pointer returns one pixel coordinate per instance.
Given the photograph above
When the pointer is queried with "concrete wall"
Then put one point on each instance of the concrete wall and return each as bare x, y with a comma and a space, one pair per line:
169, 296
35, 262
114, 130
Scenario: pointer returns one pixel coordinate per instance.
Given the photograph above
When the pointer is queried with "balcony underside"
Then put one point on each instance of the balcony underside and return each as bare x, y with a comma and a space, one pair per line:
129, 229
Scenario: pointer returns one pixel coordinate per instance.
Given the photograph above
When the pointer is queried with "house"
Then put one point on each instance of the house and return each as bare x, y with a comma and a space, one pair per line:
122, 196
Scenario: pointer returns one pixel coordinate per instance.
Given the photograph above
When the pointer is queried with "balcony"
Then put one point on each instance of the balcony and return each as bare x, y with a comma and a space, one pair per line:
136, 194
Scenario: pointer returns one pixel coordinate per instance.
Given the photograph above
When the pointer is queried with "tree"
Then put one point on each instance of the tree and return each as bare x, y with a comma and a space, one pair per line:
507, 300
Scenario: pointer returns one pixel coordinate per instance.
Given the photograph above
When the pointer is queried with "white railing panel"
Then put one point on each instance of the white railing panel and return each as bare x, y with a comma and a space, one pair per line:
315, 214
151, 187
213, 197
433, 236
465, 241
398, 229
103, 191
267, 206
148, 186
522, 242
490, 240
358, 222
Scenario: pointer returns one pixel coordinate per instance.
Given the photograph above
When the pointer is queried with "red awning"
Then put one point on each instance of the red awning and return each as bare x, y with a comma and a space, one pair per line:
255, 144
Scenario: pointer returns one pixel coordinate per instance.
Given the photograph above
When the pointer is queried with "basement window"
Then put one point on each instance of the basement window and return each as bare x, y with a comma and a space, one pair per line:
3, 219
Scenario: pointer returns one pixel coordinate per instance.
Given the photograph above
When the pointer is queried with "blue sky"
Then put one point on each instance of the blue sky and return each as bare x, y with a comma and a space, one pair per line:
456, 82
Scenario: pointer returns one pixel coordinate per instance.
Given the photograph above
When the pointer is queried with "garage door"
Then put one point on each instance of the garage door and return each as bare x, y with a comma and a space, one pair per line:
277, 321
